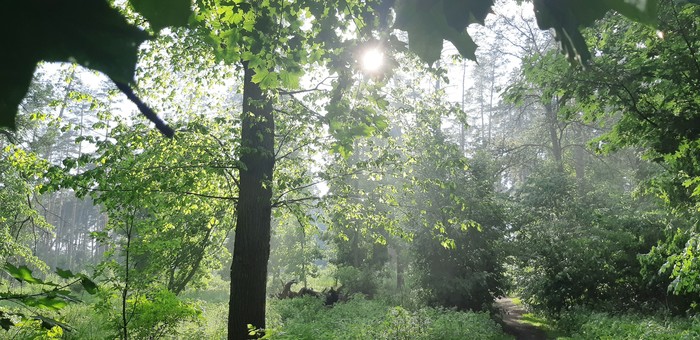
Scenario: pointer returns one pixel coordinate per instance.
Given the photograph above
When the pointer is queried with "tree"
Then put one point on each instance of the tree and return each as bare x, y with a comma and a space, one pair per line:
581, 248
649, 102
253, 34
115, 53
167, 212
457, 251
272, 55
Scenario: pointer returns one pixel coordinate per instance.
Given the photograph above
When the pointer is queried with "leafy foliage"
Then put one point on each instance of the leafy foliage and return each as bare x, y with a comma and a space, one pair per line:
649, 100
358, 318
160, 199
567, 18
90, 33
53, 297
583, 250
97, 36
581, 324
456, 252
159, 315
19, 174
429, 23
171, 203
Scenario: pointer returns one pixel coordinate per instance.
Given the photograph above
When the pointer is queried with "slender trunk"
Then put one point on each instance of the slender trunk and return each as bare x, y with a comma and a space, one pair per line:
461, 124
492, 92
178, 287
303, 254
251, 249
399, 271
72, 244
125, 290
580, 161
481, 113
553, 127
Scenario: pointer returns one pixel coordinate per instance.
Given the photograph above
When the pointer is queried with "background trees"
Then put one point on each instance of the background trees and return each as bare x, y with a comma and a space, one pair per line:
523, 189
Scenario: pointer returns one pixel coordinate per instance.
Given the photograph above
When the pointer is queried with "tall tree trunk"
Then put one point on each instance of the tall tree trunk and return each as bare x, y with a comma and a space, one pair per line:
462, 138
580, 161
399, 271
550, 110
251, 249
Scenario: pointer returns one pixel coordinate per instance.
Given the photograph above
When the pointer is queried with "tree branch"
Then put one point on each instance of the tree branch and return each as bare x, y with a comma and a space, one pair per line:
145, 110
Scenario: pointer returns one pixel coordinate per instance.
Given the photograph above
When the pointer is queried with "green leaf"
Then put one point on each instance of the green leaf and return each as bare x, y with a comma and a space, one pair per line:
643, 11
290, 80
89, 32
21, 273
464, 44
88, 284
164, 13
259, 75
15, 76
419, 21
567, 17
46, 302
428, 23
48, 323
100, 236
460, 13
66, 274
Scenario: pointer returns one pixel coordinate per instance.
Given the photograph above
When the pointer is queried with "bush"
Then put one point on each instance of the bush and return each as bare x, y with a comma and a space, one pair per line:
213, 323
159, 315
87, 324
461, 325
307, 318
582, 324
216, 290
582, 249
355, 280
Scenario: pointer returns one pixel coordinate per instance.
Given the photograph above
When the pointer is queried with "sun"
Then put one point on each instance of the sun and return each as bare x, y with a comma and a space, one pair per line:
372, 60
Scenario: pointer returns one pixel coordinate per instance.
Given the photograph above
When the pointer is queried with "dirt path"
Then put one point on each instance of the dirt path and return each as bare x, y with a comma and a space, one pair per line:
512, 323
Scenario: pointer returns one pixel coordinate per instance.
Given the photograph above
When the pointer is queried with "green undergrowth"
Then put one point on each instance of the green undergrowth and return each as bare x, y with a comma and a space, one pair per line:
308, 318
581, 324
542, 323
517, 301
537, 320
358, 318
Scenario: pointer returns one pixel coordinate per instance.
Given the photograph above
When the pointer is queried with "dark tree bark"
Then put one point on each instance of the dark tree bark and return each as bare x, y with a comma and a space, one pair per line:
399, 271
251, 249
553, 127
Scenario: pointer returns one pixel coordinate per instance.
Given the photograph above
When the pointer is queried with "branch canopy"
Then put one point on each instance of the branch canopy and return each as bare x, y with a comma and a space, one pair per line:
98, 36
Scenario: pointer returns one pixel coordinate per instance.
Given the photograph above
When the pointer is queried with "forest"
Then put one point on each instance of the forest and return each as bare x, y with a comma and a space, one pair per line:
350, 169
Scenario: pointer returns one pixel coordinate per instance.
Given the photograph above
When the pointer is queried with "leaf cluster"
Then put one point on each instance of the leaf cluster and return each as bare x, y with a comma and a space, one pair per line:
52, 297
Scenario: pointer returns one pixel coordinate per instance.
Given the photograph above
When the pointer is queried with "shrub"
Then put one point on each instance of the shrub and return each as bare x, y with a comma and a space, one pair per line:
371, 319
159, 315
216, 291
213, 323
87, 324
582, 324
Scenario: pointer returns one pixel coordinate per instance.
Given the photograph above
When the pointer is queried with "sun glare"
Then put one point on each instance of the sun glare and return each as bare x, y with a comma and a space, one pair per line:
372, 60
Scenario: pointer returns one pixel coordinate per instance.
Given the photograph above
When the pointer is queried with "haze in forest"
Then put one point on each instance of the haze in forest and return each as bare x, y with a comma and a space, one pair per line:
327, 180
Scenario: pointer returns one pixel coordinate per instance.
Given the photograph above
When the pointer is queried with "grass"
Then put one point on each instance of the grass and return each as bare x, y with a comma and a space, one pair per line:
307, 318
585, 324
582, 324
543, 323
537, 320
517, 301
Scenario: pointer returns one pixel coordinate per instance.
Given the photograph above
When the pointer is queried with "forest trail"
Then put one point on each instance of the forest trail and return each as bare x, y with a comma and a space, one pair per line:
512, 315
